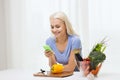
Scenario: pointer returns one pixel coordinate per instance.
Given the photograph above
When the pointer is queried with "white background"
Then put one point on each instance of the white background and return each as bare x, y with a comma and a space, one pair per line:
24, 27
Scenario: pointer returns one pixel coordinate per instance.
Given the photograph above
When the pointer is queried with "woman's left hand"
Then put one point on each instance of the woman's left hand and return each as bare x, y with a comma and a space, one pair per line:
86, 71
85, 66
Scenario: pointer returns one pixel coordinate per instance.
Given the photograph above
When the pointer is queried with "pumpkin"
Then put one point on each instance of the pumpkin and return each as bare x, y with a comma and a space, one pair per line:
57, 68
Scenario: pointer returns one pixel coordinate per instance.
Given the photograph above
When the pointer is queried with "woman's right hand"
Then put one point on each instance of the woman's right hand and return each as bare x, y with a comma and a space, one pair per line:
48, 53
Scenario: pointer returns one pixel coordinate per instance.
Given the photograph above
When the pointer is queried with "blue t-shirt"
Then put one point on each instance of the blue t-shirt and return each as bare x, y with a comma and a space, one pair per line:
63, 57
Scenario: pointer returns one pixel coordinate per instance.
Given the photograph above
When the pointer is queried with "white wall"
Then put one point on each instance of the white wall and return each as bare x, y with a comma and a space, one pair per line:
13, 23
2, 38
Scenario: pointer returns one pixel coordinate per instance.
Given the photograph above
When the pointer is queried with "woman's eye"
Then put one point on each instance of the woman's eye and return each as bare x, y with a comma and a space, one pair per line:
57, 26
52, 27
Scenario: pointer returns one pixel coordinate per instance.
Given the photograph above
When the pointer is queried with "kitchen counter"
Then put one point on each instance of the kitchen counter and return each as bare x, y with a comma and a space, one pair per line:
17, 74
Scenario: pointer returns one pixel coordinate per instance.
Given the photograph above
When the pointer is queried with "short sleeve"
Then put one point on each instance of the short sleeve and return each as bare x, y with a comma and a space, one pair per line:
49, 41
76, 43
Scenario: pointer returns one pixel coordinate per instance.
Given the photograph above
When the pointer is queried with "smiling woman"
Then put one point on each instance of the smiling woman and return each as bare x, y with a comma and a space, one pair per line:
63, 42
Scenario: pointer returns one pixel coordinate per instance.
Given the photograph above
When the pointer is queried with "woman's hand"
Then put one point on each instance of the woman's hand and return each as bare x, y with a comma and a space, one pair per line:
86, 71
48, 53
85, 66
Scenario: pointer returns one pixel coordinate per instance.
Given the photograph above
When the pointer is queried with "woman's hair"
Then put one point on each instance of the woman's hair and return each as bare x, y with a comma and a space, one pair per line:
62, 16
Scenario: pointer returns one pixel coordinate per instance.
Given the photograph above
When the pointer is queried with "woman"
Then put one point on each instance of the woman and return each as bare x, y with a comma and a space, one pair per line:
64, 43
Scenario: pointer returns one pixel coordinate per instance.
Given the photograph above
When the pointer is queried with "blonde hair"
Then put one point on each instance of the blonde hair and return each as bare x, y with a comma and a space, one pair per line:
63, 17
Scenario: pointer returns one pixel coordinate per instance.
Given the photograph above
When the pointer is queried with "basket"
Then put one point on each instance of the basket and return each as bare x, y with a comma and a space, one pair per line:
86, 63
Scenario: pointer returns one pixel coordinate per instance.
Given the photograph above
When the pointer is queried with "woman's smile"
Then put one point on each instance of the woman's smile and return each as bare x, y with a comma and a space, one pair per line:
58, 27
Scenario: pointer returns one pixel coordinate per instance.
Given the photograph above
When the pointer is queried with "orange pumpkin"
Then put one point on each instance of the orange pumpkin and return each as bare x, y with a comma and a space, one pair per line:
57, 68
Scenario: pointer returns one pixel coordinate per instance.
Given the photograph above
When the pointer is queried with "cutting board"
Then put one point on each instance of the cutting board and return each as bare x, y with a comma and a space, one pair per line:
49, 74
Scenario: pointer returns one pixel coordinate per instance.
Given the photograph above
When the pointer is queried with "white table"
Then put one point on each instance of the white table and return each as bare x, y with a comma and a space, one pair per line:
15, 74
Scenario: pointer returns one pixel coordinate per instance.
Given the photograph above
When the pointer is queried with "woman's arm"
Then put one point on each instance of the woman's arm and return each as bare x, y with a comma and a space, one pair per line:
52, 60
72, 62
51, 57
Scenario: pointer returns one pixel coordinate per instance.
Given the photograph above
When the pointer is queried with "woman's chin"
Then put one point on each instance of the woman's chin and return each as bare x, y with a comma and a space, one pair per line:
57, 36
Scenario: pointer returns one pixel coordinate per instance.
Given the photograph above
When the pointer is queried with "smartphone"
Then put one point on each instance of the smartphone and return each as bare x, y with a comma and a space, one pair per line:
47, 48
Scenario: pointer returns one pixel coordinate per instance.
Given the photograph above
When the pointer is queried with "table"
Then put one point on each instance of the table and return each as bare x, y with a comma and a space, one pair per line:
18, 74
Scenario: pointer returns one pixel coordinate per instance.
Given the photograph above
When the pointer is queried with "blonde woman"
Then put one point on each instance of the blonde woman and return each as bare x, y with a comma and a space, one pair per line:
64, 43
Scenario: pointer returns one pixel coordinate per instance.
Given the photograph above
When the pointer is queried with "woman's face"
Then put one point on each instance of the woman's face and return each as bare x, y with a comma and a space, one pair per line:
58, 28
